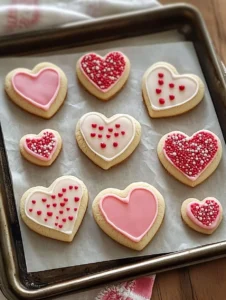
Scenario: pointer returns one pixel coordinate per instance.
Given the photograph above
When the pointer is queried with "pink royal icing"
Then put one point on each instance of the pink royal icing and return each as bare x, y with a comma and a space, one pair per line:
56, 209
205, 214
166, 90
191, 155
39, 89
132, 216
43, 147
103, 72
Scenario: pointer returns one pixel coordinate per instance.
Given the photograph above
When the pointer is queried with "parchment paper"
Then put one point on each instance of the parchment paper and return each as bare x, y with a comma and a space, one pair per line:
91, 244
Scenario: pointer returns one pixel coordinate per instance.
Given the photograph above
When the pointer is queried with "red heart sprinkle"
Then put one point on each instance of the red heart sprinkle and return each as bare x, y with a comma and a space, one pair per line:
57, 217
75, 209
161, 101
161, 82
64, 190
62, 204
33, 201
115, 144
70, 187
61, 212
45, 220
49, 214
92, 134
181, 87
158, 91
117, 125
76, 199
64, 220
94, 125
60, 194
56, 224
108, 136
172, 97
68, 208
60, 226
39, 212
116, 134
66, 199
99, 136
44, 200
70, 218
76, 187
53, 196
101, 127
123, 132
30, 210
160, 75
103, 145
54, 204
171, 85
47, 205
110, 129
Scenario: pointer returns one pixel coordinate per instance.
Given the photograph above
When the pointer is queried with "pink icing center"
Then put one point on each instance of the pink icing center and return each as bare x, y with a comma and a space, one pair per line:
39, 89
191, 155
103, 72
204, 215
132, 216
43, 147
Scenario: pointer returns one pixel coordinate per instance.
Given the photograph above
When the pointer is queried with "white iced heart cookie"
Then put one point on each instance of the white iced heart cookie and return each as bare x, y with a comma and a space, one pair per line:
57, 211
103, 76
41, 149
203, 216
167, 93
107, 141
190, 160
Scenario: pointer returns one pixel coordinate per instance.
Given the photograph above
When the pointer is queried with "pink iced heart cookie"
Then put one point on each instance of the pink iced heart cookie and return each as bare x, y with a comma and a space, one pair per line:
40, 91
166, 93
107, 141
55, 212
190, 159
203, 216
132, 216
41, 149
103, 76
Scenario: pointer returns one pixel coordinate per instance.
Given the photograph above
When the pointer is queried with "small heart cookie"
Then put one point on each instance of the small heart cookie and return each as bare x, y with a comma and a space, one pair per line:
132, 216
104, 76
107, 141
167, 93
40, 91
57, 211
190, 160
41, 149
203, 216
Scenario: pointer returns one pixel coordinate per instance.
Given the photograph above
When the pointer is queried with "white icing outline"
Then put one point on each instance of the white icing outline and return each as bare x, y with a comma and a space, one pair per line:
48, 192
126, 200
190, 137
174, 76
36, 104
108, 121
103, 58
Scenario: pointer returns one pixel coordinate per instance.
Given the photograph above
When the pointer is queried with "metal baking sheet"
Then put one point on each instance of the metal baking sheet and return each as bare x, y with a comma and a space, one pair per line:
196, 33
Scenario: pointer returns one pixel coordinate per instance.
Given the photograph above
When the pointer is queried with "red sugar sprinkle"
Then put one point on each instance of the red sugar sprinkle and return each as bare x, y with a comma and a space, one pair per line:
158, 91
64, 220
161, 75
39, 212
161, 101
161, 82
60, 195
45, 220
47, 205
54, 205
123, 132
57, 217
30, 210
108, 136
66, 199
53, 196
181, 87
76, 199
92, 134
94, 125
70, 218
44, 200
117, 125
33, 201
60, 226
64, 190
49, 214
42, 146
99, 136
110, 129
75, 209
103, 72
68, 208
56, 224
61, 212
75, 187
115, 144
172, 97
70, 187
171, 85
103, 145
116, 134
101, 127
205, 213
62, 204
191, 155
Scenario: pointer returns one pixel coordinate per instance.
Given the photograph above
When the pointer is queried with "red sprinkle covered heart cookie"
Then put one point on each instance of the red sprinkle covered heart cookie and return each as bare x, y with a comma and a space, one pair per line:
55, 212
103, 76
167, 93
41, 149
107, 141
203, 216
190, 159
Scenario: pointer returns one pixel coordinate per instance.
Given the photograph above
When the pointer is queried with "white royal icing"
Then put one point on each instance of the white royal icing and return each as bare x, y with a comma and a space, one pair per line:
127, 126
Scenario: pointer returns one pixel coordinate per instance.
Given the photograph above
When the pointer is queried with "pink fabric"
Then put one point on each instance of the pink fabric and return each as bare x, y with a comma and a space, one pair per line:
139, 289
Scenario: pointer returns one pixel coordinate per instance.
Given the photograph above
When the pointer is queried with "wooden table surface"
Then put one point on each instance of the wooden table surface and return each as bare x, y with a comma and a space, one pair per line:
205, 281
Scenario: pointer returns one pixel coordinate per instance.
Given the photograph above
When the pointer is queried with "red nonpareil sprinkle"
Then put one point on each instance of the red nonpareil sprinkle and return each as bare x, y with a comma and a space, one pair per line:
54, 205
30, 210
171, 85
161, 75
53, 196
115, 144
43, 146
191, 155
92, 134
103, 72
123, 132
181, 87
99, 136
161, 82
161, 101
64, 220
101, 127
39, 212
60, 195
103, 145
75, 187
110, 129
64, 190
49, 214
44, 200
117, 125
94, 125
76, 199
62, 204
172, 97
70, 187
158, 91
116, 134
33, 201
205, 213
70, 218
108, 136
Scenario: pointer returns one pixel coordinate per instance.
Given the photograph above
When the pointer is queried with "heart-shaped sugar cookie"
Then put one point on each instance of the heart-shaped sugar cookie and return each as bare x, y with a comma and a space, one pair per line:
132, 216
166, 93
55, 212
40, 91
107, 141
190, 159
103, 76
41, 149
203, 216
